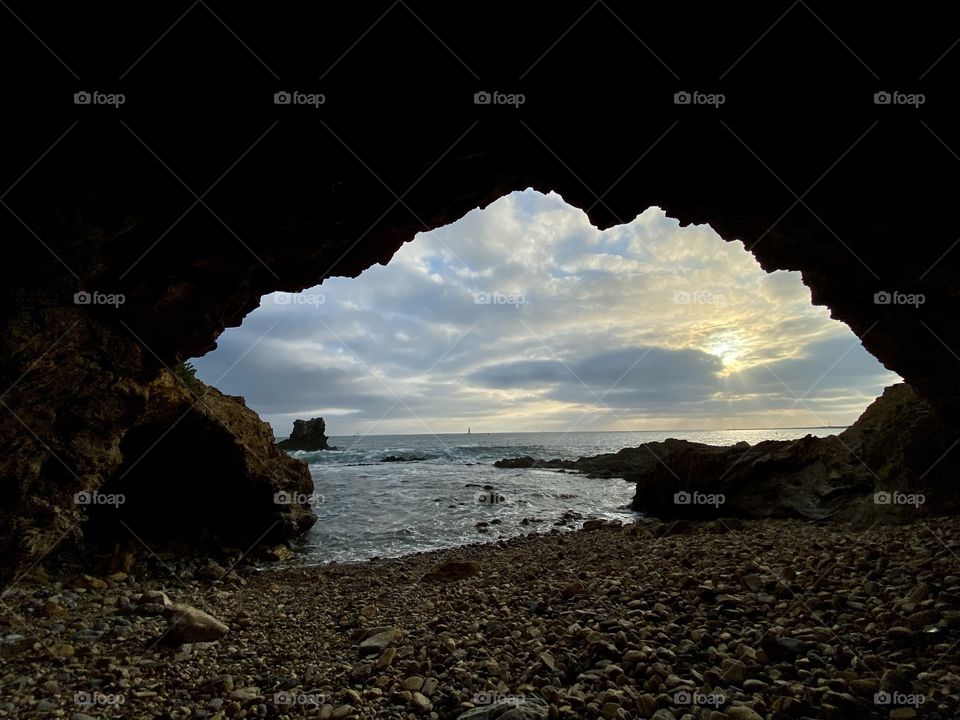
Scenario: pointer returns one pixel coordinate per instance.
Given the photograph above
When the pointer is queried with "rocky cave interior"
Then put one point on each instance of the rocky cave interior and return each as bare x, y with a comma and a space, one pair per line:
200, 195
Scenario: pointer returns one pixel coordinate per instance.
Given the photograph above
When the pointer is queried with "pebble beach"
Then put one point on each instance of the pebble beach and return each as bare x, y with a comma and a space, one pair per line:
716, 620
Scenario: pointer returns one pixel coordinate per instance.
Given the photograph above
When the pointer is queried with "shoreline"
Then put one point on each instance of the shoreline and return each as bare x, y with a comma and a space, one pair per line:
771, 618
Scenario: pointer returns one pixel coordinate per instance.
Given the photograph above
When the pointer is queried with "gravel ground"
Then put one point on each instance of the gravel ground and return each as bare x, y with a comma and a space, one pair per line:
763, 619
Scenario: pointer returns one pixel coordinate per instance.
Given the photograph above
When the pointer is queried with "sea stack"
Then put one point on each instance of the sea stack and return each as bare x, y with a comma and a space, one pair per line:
307, 435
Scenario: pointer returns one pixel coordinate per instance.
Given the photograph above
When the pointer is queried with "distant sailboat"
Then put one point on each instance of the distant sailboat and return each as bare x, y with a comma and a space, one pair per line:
468, 429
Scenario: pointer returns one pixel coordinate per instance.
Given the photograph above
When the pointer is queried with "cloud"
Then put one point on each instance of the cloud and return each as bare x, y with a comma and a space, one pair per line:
523, 316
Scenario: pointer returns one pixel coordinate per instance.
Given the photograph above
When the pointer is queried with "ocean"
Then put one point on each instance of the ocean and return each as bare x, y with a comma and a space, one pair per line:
369, 508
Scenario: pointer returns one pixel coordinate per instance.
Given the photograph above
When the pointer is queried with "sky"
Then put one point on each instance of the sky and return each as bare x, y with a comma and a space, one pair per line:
522, 316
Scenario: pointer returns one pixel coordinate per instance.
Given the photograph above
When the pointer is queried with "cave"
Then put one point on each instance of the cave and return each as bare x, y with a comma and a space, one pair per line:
200, 193
165, 166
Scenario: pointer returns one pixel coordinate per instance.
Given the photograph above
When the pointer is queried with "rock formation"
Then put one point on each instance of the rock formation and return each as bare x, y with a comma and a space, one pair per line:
893, 463
200, 465
801, 163
307, 435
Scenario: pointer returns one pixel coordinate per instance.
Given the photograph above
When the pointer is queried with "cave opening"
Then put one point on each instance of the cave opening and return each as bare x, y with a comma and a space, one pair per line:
522, 316
518, 319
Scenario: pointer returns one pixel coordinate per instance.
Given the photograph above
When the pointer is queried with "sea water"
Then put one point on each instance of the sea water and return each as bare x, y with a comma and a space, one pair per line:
369, 508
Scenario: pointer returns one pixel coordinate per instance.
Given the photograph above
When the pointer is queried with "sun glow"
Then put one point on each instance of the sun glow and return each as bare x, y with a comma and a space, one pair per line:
731, 347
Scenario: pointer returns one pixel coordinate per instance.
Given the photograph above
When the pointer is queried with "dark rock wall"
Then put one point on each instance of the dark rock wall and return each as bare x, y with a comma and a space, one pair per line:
199, 194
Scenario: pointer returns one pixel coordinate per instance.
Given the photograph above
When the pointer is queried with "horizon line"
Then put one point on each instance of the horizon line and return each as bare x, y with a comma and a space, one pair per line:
573, 432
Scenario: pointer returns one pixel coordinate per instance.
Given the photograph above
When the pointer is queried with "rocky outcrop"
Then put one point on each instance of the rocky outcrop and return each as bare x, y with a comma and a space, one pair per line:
201, 466
800, 162
892, 464
307, 435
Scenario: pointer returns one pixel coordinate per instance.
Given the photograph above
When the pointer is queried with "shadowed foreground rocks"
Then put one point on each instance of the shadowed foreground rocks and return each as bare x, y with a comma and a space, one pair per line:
202, 467
892, 464
773, 619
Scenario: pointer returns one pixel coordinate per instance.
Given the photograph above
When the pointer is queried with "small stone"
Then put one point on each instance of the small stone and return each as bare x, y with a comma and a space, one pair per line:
53, 609
742, 712
733, 670
187, 624
413, 683
453, 570
429, 686
368, 611
902, 713
548, 662
864, 687
420, 701
897, 681
62, 650
753, 582
245, 694
663, 714
90, 583
378, 643
219, 684
386, 658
